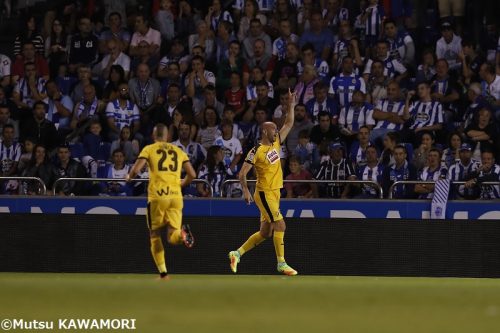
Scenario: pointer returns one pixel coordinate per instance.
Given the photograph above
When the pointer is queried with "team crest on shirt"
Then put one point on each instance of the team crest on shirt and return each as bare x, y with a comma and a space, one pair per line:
273, 156
422, 117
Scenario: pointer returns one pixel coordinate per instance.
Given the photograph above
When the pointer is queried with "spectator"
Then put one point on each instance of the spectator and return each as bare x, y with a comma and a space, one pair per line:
59, 108
56, 47
234, 97
231, 147
433, 171
180, 116
259, 59
449, 46
89, 108
165, 20
463, 169
194, 150
84, 46
208, 99
355, 115
144, 57
334, 14
254, 134
209, 129
216, 15
420, 155
232, 63
118, 169
67, 167
262, 101
482, 133
29, 89
5, 70
371, 171
214, 171
487, 172
127, 144
426, 114
390, 141
321, 102
388, 114
84, 79
6, 119
357, 153
427, 69
10, 154
306, 152
401, 170
318, 35
376, 86
251, 13
27, 152
451, 155
223, 41
143, 32
444, 89
93, 140
29, 55
471, 62
229, 115
286, 36
283, 12
476, 103
343, 86
337, 168
186, 21
309, 58
115, 77
144, 90
28, 33
198, 79
123, 112
393, 68
203, 38
39, 166
39, 128
298, 172
257, 76
256, 32
114, 57
305, 87
452, 10
175, 54
325, 131
116, 32
372, 18
301, 123
346, 45
401, 46
285, 73
490, 84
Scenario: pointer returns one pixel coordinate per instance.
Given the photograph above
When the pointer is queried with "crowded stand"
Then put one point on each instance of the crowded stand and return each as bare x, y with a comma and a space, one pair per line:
386, 91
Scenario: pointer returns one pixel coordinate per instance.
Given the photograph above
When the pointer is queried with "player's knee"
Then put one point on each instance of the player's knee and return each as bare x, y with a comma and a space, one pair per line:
153, 234
266, 233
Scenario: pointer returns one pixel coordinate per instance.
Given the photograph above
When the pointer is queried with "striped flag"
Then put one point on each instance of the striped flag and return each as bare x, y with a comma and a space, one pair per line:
440, 199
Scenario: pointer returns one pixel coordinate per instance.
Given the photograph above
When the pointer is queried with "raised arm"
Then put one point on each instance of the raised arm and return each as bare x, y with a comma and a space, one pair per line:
290, 116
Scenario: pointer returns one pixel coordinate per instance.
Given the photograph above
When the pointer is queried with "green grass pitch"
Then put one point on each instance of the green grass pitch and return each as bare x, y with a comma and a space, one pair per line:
245, 303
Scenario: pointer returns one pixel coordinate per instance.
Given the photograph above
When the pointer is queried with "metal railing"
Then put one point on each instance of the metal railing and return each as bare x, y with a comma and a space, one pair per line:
431, 182
373, 184
110, 180
43, 186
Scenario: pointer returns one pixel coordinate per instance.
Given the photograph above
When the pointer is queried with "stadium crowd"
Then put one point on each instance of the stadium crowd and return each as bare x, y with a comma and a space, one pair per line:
388, 90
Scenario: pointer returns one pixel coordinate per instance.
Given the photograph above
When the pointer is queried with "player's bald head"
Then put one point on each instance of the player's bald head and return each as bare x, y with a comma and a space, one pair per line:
268, 125
160, 132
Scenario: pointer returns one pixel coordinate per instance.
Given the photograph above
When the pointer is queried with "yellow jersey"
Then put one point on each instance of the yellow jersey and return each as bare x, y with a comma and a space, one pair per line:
165, 166
267, 164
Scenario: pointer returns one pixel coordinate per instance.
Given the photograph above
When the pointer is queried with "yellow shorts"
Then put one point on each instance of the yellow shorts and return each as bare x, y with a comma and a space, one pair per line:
268, 203
164, 211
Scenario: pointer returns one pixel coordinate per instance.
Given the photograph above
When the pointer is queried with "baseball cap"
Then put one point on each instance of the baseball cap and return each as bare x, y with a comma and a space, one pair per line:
446, 26
465, 146
336, 145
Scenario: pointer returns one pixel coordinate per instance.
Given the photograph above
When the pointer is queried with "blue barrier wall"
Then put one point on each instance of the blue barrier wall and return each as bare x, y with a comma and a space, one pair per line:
290, 208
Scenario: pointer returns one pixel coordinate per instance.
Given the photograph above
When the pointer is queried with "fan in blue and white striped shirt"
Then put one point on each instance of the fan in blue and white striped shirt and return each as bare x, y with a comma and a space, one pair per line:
426, 114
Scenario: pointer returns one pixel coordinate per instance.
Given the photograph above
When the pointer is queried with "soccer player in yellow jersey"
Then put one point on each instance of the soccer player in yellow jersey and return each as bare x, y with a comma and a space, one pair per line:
265, 158
165, 163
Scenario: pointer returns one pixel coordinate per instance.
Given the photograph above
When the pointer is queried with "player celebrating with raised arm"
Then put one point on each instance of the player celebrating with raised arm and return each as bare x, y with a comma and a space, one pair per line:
165, 164
265, 157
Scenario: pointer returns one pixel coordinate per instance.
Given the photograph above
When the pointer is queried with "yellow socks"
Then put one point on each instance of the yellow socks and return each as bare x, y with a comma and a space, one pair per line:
279, 245
158, 254
252, 242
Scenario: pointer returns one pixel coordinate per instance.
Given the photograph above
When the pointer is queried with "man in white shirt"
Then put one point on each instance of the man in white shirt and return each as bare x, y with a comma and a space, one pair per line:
144, 32
114, 57
449, 46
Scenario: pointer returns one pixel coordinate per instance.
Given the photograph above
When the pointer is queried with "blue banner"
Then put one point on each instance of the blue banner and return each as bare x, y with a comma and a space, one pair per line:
372, 209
